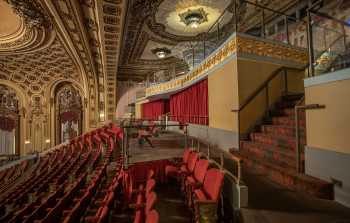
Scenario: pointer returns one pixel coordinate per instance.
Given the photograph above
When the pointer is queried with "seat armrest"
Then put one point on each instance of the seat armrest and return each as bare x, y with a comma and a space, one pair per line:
205, 201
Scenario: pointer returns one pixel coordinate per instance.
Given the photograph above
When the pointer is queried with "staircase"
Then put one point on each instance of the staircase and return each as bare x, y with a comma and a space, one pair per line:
270, 150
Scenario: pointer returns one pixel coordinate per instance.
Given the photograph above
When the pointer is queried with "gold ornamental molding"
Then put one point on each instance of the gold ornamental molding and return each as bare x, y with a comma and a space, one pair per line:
238, 45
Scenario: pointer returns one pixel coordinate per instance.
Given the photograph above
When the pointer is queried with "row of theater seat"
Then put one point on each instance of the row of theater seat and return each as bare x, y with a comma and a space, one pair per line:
201, 185
44, 195
145, 200
9, 176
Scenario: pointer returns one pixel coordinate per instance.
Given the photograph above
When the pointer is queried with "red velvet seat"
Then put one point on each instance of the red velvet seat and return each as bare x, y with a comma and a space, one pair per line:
173, 170
143, 211
208, 195
196, 180
150, 202
152, 217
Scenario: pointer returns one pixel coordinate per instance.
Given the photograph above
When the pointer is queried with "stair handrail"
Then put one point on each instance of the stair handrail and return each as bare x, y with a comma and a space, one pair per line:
297, 108
264, 85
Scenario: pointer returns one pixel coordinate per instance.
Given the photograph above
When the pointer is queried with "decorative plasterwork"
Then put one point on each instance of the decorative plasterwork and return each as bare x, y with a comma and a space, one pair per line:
34, 31
150, 27
237, 45
95, 27
35, 71
31, 12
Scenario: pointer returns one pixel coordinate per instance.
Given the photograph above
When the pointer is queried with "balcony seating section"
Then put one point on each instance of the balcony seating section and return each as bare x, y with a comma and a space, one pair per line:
62, 184
9, 177
200, 184
196, 180
173, 170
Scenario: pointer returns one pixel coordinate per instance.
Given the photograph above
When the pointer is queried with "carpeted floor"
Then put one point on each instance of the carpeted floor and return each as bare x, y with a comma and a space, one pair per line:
171, 206
271, 203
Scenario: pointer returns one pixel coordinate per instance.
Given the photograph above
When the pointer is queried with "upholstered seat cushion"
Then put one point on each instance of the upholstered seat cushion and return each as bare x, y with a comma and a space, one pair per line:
200, 195
138, 216
183, 169
190, 180
170, 170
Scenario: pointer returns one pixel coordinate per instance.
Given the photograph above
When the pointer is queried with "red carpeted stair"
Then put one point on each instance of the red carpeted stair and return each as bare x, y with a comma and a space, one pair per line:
271, 150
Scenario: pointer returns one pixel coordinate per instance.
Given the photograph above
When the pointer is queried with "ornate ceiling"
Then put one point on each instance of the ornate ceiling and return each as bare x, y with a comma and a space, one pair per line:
154, 24
45, 41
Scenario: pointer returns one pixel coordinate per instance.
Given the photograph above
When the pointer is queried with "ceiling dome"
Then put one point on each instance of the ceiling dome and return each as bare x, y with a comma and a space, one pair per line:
11, 25
172, 14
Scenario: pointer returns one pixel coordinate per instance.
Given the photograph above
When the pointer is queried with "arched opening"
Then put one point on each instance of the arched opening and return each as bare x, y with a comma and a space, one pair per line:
9, 121
69, 112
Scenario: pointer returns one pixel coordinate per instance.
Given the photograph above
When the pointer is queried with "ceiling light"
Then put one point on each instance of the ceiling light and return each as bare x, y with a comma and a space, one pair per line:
161, 52
193, 18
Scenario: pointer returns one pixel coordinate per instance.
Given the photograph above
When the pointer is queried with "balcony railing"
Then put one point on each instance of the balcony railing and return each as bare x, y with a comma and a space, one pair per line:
329, 43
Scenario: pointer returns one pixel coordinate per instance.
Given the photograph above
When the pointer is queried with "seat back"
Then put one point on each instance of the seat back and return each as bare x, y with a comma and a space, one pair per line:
212, 183
150, 174
103, 218
152, 217
150, 186
200, 170
192, 160
185, 156
150, 202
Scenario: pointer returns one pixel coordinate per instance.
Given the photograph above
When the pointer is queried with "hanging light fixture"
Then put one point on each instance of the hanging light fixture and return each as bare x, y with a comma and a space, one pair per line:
161, 52
193, 18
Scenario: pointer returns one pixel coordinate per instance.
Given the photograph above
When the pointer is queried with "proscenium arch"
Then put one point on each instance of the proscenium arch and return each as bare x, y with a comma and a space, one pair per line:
50, 94
23, 101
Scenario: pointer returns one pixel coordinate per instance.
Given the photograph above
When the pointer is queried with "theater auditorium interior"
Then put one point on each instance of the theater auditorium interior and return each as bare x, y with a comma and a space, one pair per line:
174, 111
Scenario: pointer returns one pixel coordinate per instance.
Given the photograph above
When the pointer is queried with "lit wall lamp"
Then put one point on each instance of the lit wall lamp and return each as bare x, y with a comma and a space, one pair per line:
102, 117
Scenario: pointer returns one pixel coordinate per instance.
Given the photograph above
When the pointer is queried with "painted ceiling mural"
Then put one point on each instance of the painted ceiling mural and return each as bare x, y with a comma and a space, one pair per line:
51, 40
154, 24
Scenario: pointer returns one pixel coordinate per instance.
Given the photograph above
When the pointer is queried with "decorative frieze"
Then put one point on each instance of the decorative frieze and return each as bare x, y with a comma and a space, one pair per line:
241, 45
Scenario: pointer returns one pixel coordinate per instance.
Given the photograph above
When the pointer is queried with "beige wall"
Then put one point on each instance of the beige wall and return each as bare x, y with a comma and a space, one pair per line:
138, 110
232, 84
329, 128
251, 75
223, 97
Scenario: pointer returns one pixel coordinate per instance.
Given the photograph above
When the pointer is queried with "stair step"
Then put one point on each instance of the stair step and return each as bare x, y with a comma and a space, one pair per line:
275, 140
288, 121
288, 177
285, 158
281, 130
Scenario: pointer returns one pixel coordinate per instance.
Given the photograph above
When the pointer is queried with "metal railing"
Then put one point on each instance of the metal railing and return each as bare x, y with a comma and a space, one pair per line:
190, 119
328, 42
298, 150
264, 87
233, 19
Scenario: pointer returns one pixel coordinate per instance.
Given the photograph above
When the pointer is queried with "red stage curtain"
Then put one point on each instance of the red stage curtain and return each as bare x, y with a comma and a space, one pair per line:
153, 109
69, 116
191, 104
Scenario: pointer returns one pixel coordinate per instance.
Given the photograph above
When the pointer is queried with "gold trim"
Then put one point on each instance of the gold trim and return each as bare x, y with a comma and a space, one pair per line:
237, 44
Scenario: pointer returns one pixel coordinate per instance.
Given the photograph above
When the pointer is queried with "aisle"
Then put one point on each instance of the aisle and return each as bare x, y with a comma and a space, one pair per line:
171, 206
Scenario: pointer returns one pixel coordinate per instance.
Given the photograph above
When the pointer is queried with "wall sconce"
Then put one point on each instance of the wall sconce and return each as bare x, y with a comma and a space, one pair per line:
102, 116
47, 141
27, 142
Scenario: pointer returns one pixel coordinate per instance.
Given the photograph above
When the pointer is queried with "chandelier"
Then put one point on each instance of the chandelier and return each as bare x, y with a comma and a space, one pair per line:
161, 52
193, 18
